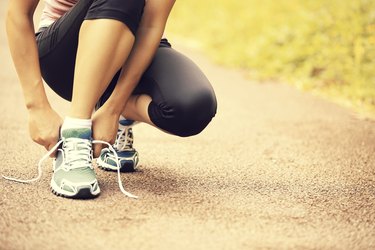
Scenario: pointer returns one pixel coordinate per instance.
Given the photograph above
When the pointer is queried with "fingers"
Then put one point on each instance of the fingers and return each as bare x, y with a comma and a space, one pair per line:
48, 148
97, 149
50, 145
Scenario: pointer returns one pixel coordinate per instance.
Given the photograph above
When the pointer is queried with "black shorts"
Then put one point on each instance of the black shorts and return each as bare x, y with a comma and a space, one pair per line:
183, 101
127, 11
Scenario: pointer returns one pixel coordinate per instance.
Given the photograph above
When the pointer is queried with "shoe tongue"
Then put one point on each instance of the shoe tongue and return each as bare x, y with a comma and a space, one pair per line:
82, 133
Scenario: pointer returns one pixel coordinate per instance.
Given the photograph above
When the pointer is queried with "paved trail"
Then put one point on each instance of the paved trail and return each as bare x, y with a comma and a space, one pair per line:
275, 169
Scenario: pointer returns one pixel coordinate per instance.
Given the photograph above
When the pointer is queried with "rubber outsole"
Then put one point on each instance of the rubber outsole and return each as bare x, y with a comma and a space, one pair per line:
125, 168
82, 194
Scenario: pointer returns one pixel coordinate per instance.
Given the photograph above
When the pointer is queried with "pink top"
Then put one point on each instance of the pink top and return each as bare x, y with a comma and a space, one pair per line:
54, 9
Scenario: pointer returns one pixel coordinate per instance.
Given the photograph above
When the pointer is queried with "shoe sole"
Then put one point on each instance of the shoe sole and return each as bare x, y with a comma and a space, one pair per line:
127, 167
82, 194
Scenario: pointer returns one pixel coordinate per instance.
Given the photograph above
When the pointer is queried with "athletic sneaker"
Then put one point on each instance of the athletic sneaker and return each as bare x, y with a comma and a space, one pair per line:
73, 172
127, 155
74, 176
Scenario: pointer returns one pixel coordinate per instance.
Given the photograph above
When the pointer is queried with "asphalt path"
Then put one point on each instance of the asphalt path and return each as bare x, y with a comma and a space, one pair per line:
277, 168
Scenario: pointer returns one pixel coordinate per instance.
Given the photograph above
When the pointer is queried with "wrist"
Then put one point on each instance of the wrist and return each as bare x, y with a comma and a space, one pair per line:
35, 96
35, 104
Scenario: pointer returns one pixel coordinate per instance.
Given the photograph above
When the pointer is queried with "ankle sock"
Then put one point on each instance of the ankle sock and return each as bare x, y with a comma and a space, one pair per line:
70, 123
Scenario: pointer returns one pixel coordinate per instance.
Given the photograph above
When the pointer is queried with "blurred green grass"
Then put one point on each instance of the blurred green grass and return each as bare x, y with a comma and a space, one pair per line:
324, 46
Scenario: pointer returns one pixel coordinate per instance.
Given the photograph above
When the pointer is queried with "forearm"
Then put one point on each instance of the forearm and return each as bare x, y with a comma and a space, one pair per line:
22, 44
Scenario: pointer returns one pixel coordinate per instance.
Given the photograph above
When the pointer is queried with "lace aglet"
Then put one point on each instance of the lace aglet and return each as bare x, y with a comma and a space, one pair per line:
126, 193
131, 196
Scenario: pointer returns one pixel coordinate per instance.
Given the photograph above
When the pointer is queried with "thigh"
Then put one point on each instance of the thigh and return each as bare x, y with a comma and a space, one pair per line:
178, 88
173, 78
183, 100
57, 46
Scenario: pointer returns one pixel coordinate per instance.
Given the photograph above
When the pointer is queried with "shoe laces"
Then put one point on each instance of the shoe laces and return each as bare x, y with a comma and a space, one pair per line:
83, 158
76, 153
124, 139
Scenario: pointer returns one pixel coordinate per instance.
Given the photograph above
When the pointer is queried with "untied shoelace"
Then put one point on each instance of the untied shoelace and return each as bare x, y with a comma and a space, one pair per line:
45, 157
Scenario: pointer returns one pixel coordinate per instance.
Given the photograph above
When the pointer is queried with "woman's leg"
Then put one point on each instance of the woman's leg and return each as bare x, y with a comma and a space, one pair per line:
101, 42
85, 54
173, 95
137, 108
58, 44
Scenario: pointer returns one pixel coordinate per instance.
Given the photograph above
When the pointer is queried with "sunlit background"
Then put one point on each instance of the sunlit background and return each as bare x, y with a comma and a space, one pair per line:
324, 46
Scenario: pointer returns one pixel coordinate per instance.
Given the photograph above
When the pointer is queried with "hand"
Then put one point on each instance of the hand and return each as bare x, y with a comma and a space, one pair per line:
105, 125
44, 126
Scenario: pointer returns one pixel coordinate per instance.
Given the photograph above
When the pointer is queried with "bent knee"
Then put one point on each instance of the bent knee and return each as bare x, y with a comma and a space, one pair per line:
185, 117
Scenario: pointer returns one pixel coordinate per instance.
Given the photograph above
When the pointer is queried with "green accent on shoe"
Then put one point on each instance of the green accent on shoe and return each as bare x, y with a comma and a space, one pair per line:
82, 133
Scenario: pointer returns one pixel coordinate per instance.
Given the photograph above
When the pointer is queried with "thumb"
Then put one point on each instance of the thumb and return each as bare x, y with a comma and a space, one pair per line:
97, 149
49, 147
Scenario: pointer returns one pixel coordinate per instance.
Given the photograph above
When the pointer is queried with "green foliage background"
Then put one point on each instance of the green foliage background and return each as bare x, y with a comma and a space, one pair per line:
320, 45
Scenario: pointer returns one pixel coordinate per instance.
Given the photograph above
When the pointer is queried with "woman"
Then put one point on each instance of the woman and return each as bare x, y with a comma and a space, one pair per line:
106, 54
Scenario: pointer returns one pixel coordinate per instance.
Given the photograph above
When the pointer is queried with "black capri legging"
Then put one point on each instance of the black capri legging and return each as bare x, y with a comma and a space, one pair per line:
183, 101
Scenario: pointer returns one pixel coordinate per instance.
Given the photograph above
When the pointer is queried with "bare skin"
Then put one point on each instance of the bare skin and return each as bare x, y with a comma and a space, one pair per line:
111, 48
148, 37
121, 50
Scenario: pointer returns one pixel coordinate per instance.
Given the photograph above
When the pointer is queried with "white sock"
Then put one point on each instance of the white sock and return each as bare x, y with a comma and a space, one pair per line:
70, 122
